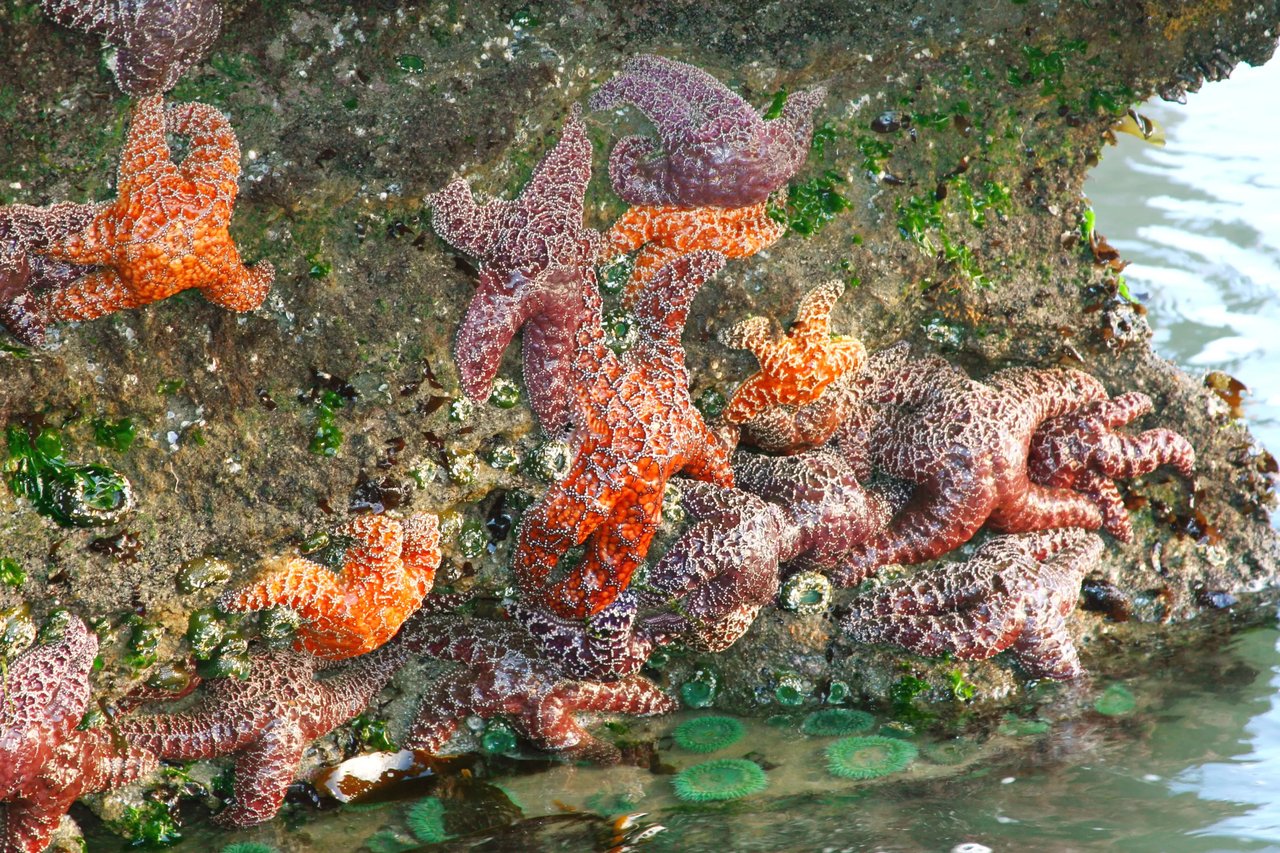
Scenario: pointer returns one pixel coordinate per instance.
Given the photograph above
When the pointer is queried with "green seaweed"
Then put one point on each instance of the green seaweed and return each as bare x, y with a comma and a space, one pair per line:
114, 435
12, 573
327, 437
73, 495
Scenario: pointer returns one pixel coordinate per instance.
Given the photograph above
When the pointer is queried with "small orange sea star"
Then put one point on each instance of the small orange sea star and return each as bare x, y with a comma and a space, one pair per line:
665, 233
386, 573
166, 231
797, 367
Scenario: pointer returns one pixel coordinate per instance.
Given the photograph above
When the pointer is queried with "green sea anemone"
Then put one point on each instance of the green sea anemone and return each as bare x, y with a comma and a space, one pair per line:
831, 722
498, 738
724, 779
792, 689
806, 593
869, 757
707, 734
249, 847
700, 690
426, 820
1115, 701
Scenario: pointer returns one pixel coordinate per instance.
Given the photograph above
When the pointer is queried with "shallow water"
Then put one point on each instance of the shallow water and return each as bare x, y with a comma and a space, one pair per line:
1194, 766
1200, 222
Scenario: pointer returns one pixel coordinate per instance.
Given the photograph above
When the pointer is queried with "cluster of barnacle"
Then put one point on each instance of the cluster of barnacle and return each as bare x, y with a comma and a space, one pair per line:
860, 460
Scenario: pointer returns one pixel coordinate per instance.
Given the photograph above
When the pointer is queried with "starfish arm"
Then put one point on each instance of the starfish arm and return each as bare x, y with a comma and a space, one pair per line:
1126, 457
26, 827
548, 351
1039, 507
969, 635
633, 173
941, 515
664, 305
652, 258
241, 288
560, 521
1045, 648
634, 695
605, 647
24, 227
664, 105
375, 551
750, 400
308, 588
203, 733
262, 775
559, 181
421, 550
813, 315
1121, 410
466, 225
96, 17
346, 694
1045, 394
213, 156
632, 230
109, 765
158, 40
707, 458
1106, 495
550, 725
145, 149
87, 298
496, 312
443, 707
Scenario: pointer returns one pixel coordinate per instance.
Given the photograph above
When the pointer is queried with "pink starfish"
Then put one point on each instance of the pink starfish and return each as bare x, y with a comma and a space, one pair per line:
1014, 593
535, 259
265, 721
716, 149
45, 763
504, 674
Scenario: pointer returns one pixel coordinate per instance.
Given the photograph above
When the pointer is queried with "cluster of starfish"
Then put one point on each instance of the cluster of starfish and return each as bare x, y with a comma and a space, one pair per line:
166, 230
875, 459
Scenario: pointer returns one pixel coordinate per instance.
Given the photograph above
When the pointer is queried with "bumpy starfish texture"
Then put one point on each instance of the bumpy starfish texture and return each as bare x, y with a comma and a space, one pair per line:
638, 428
1080, 450
963, 445
535, 259
1014, 593
821, 500
704, 593
45, 763
664, 233
156, 41
386, 573
796, 368
167, 229
715, 149
504, 674
25, 232
265, 721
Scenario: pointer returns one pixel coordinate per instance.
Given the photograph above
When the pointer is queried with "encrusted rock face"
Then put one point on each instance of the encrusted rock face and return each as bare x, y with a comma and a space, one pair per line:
941, 179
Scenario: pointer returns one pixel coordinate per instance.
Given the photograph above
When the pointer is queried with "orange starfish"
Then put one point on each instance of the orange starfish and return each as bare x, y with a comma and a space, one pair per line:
387, 572
167, 229
797, 367
663, 233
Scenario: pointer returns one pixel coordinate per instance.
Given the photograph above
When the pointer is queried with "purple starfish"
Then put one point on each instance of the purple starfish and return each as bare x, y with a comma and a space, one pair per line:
1014, 593
963, 446
716, 149
25, 232
266, 721
1080, 450
156, 41
536, 259
704, 592
45, 763
504, 674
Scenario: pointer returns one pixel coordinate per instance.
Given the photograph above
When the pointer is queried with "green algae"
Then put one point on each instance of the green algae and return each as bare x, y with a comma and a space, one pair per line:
73, 495
326, 437
11, 573
114, 435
